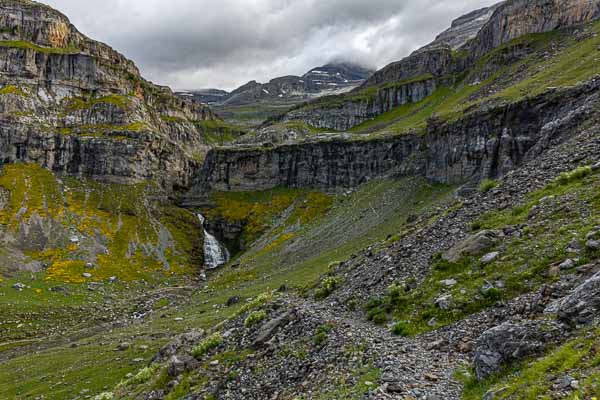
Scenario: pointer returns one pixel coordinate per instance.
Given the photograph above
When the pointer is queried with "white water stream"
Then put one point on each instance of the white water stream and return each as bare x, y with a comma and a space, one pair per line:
215, 253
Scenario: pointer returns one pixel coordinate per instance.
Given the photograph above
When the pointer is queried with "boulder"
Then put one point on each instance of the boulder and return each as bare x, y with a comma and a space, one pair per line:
511, 342
188, 339
593, 244
270, 328
180, 364
474, 245
233, 301
582, 306
443, 302
567, 264
490, 257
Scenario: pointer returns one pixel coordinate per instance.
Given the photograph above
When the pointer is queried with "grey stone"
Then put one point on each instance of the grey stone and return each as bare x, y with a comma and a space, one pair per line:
493, 394
270, 328
511, 342
472, 246
567, 264
180, 364
490, 257
123, 346
449, 282
593, 245
582, 306
443, 302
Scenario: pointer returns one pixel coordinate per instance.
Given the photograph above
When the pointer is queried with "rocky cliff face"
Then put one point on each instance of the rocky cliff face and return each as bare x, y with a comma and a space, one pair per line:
483, 144
435, 58
463, 29
515, 18
75, 105
473, 35
342, 114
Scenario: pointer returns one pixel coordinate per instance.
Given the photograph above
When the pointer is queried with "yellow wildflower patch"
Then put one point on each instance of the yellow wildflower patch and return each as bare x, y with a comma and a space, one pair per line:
120, 217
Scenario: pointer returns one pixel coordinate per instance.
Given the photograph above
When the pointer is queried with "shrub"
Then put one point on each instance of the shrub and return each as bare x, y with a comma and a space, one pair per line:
322, 333
373, 303
379, 319
372, 314
143, 376
401, 329
260, 300
487, 185
207, 345
255, 318
396, 295
327, 288
493, 294
576, 174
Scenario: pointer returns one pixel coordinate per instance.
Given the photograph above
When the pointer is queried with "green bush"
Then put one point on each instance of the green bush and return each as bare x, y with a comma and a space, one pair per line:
487, 185
373, 303
328, 286
401, 329
260, 300
380, 319
576, 174
376, 314
321, 334
255, 318
211, 342
143, 376
493, 294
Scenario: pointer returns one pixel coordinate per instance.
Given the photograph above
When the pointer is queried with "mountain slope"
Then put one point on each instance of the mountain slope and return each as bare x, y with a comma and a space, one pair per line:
444, 81
75, 105
457, 256
328, 79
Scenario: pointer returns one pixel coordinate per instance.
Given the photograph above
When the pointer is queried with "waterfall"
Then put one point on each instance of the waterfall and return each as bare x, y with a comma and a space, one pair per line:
215, 253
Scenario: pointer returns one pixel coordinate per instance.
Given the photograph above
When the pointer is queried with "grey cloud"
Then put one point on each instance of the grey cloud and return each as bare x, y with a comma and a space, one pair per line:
224, 43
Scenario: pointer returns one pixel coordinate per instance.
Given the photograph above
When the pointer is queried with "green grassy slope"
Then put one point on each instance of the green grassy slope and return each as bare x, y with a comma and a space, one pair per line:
286, 225
524, 67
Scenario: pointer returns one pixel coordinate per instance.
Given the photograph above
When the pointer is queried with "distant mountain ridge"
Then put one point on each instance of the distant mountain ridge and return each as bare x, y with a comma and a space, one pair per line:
332, 78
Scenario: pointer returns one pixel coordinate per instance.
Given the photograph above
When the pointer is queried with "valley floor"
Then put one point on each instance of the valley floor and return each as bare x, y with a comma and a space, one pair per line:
291, 322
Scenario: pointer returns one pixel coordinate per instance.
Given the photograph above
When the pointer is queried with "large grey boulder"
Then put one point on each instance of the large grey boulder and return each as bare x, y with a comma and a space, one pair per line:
582, 306
185, 340
180, 364
474, 245
270, 328
511, 342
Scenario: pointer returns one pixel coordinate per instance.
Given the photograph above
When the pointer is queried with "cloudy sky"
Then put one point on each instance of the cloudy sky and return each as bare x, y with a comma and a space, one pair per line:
189, 44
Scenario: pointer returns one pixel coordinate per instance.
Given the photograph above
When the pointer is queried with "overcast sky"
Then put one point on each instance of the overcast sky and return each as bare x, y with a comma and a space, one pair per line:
190, 44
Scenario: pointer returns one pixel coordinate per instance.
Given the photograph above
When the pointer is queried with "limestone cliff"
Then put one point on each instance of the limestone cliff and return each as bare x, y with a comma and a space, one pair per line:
485, 144
515, 18
75, 105
452, 55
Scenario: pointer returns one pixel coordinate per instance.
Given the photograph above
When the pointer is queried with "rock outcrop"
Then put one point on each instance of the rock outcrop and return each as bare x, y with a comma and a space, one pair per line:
75, 105
515, 18
512, 342
483, 144
342, 114
450, 55
581, 307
